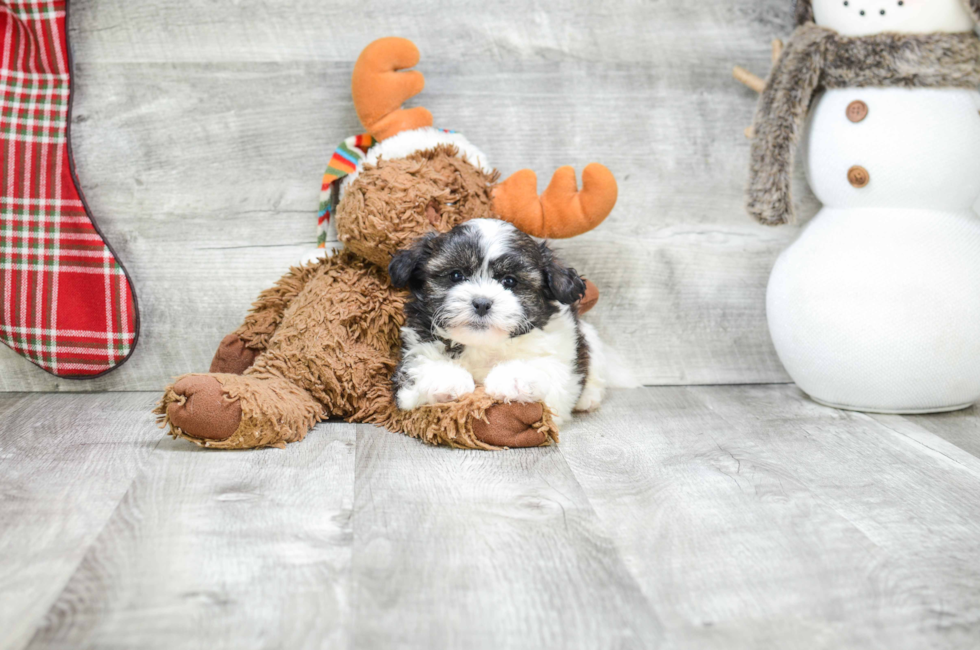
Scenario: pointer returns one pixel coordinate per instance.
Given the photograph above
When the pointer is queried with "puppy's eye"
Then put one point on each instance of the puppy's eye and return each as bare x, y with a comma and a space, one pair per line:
457, 276
509, 282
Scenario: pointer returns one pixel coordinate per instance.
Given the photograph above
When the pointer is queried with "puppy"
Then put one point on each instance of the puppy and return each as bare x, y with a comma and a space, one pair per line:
492, 306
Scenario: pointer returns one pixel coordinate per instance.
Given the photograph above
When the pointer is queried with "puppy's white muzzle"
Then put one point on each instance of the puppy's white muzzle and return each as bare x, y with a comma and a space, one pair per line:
480, 307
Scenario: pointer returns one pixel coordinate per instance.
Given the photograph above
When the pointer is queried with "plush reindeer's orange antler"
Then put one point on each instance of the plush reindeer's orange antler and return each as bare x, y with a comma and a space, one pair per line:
562, 211
379, 87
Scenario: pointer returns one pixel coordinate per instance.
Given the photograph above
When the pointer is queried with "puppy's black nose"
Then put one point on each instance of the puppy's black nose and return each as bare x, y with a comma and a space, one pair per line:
482, 306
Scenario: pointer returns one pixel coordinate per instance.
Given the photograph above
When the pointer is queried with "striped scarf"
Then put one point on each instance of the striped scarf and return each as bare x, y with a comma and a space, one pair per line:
344, 161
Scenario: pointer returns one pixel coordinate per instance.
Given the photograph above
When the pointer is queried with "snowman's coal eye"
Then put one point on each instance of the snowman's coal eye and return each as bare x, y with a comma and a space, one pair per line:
862, 12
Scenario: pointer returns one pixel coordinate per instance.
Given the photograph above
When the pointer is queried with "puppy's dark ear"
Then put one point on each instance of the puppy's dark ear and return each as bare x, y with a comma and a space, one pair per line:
406, 266
561, 283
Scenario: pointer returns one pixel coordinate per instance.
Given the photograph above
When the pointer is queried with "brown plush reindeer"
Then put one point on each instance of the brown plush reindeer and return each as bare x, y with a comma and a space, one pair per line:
324, 341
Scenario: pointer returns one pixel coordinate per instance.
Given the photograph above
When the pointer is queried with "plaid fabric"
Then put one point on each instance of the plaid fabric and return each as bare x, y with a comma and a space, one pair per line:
66, 303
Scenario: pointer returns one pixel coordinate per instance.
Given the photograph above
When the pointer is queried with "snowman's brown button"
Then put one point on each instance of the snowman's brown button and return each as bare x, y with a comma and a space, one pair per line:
857, 111
858, 176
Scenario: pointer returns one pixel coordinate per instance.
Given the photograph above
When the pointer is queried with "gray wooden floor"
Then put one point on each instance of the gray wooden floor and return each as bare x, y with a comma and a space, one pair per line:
698, 517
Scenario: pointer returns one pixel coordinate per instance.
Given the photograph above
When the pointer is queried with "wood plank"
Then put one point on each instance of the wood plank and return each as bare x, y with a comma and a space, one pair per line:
753, 517
65, 463
308, 30
220, 550
461, 549
202, 129
961, 428
920, 508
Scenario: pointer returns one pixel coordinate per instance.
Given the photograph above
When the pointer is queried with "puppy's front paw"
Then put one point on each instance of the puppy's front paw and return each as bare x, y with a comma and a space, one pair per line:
590, 399
436, 386
516, 382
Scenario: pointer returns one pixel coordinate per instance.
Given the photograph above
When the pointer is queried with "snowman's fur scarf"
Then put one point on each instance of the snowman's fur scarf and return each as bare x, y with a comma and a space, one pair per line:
804, 10
817, 57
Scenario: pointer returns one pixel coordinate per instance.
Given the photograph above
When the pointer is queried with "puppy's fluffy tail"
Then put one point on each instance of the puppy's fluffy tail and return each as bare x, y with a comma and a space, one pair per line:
608, 365
618, 374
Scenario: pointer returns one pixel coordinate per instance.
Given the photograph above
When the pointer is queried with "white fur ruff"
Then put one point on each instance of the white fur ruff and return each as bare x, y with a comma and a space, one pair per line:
406, 143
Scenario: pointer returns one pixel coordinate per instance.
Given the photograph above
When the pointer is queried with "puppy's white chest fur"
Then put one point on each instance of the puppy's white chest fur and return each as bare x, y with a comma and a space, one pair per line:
558, 341
540, 366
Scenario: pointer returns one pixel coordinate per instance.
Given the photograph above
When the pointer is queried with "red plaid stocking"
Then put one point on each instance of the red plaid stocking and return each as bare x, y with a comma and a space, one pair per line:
66, 303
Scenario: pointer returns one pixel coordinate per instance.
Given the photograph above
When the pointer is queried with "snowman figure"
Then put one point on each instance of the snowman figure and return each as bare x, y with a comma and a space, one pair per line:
876, 305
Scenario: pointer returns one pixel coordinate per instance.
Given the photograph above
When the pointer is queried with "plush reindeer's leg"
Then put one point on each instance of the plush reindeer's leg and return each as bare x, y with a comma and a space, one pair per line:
238, 351
233, 356
232, 412
516, 425
278, 398
475, 421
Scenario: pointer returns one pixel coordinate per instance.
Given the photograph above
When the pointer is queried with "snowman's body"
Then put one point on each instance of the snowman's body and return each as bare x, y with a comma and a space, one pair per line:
876, 306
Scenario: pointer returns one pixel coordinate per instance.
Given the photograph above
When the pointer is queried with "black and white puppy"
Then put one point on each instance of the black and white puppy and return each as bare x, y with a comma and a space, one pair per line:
492, 306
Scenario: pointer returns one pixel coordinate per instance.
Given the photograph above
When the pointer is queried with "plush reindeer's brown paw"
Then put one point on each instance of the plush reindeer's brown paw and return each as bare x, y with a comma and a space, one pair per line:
202, 410
590, 298
513, 425
232, 356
